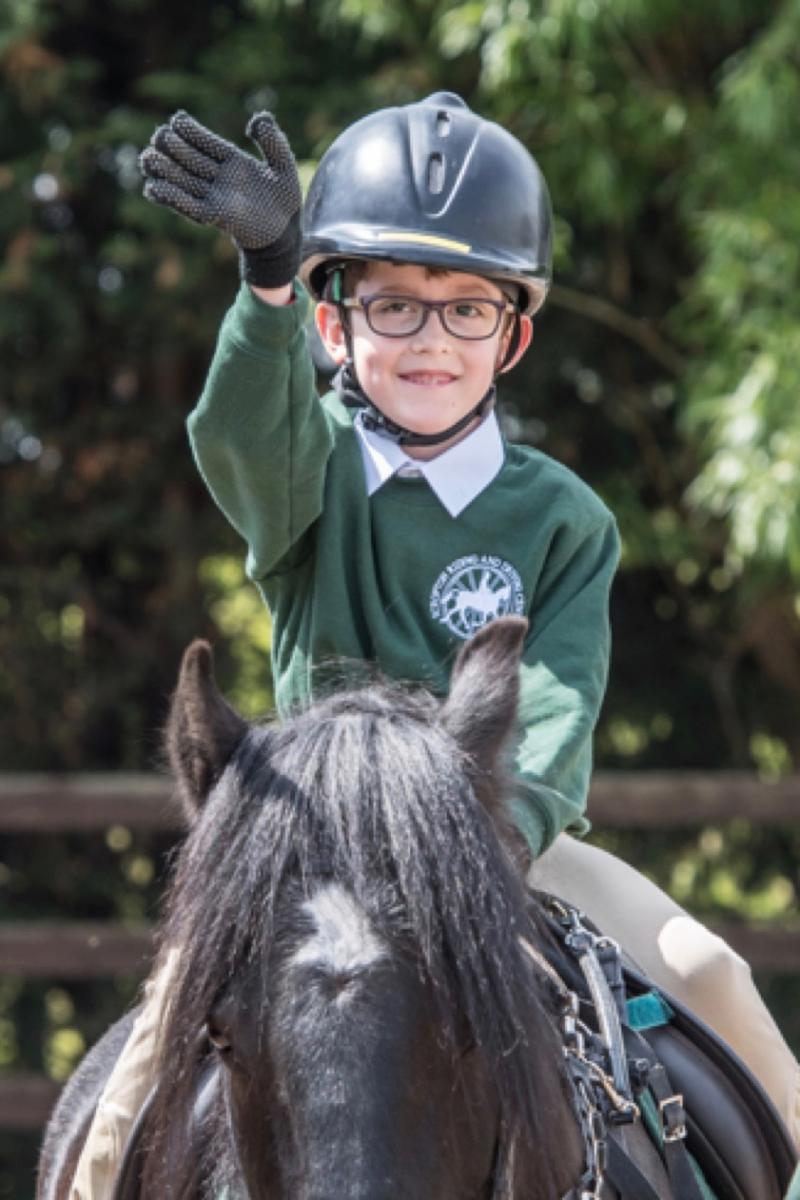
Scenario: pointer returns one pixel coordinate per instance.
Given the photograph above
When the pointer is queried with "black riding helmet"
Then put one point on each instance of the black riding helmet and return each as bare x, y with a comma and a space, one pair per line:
435, 184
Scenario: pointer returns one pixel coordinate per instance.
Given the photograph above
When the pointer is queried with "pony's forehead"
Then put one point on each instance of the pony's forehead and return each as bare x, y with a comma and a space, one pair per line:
342, 939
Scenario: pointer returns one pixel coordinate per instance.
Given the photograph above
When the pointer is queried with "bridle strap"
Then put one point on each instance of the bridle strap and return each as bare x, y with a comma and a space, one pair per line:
545, 967
597, 1070
505, 1155
623, 1174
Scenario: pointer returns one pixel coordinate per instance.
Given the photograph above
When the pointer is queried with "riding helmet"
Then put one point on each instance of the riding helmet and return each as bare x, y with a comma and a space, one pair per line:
431, 183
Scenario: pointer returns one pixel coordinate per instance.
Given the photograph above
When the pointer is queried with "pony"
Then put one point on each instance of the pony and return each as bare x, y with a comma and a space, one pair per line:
353, 1014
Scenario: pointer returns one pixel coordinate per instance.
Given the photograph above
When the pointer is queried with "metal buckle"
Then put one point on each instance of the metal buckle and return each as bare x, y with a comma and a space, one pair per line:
673, 1118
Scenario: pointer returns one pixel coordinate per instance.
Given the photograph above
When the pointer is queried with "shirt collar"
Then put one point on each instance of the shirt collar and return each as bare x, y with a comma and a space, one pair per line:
457, 476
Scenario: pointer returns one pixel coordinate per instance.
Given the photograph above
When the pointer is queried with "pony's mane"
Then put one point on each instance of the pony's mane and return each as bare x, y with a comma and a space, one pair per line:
367, 787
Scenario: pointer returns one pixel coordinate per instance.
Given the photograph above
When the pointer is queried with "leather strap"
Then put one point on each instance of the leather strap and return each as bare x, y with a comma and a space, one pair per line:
672, 1117
623, 1174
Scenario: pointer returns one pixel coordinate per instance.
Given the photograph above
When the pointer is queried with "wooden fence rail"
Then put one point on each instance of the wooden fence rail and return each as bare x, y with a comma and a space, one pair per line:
93, 803
87, 950
73, 949
26, 1101
618, 799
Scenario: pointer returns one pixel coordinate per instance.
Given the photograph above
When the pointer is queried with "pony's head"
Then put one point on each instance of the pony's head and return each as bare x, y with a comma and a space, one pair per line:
348, 906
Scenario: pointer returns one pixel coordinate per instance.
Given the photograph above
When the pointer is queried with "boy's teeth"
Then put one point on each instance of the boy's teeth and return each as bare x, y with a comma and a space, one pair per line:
428, 377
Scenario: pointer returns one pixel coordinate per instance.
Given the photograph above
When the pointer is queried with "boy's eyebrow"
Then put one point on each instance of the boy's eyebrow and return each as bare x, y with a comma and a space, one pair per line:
466, 288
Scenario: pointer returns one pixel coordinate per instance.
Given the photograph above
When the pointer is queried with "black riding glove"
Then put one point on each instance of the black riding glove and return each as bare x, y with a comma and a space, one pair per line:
209, 180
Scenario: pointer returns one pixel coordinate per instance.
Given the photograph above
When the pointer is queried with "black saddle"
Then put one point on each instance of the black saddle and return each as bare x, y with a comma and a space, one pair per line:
733, 1129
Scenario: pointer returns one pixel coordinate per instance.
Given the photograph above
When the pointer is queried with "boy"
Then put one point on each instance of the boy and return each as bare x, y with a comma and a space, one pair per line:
390, 521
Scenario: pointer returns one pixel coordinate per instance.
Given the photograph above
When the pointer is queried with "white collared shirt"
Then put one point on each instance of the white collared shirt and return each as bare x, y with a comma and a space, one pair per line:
457, 476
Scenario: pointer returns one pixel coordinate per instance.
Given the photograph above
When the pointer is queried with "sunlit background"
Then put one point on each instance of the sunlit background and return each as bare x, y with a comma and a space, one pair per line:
665, 370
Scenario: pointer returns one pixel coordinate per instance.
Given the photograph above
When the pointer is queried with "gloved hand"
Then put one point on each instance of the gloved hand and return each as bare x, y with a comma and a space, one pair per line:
209, 180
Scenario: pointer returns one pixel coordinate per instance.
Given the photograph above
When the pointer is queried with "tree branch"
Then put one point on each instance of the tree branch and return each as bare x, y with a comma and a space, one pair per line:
635, 329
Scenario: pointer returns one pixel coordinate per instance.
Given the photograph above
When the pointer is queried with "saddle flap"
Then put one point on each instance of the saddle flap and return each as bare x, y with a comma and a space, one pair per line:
734, 1131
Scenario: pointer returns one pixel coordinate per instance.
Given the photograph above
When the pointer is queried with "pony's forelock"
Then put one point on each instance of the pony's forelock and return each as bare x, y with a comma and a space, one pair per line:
367, 788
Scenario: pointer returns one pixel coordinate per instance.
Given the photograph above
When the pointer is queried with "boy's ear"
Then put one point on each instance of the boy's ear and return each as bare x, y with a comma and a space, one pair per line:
525, 339
331, 331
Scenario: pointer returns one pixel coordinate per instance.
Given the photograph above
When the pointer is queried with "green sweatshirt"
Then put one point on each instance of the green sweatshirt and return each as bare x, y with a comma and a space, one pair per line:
393, 579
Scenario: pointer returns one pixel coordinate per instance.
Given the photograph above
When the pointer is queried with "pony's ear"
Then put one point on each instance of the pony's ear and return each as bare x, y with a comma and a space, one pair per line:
484, 690
481, 709
202, 730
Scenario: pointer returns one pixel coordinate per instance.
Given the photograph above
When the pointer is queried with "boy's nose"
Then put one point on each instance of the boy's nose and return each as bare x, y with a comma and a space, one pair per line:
433, 331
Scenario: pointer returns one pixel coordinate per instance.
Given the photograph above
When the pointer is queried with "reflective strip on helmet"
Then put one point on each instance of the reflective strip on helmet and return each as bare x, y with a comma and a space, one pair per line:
424, 239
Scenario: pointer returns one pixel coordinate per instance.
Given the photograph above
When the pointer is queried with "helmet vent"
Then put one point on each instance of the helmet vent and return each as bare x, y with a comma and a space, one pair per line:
443, 123
436, 173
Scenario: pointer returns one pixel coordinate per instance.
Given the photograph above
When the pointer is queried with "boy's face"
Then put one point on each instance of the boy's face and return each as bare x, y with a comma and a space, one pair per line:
428, 380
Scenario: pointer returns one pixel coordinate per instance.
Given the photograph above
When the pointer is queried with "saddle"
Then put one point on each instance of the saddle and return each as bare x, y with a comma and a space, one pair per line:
639, 1059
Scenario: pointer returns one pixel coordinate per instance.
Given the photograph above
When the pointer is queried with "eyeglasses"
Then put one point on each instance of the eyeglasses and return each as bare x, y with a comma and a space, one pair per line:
472, 318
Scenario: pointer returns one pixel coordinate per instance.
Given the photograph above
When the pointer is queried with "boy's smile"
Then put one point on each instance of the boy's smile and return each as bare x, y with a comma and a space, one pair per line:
428, 380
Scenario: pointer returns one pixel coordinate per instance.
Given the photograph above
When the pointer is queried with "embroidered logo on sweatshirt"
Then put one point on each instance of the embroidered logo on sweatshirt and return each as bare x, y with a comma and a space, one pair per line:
474, 590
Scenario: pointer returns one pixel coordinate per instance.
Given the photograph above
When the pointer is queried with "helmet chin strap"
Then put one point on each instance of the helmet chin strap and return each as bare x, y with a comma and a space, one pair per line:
353, 395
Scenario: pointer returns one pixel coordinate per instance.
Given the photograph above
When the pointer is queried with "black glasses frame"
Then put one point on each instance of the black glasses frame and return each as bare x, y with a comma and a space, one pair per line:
364, 303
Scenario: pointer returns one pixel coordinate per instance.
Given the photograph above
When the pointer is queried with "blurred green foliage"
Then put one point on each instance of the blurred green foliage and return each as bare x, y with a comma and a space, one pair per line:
664, 370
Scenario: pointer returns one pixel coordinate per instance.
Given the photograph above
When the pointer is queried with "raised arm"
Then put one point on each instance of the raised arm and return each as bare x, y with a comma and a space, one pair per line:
258, 433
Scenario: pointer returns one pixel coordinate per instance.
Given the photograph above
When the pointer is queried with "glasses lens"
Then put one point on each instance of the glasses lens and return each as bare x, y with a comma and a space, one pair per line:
396, 316
401, 316
471, 318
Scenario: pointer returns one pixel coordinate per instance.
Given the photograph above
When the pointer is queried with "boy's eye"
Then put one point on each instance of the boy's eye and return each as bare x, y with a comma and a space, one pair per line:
395, 305
467, 310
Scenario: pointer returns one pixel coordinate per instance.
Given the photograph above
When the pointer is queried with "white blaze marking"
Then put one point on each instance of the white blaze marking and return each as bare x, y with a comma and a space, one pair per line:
344, 940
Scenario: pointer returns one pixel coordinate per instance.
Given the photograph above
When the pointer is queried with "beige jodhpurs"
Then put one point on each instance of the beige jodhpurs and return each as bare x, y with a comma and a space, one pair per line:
126, 1090
675, 950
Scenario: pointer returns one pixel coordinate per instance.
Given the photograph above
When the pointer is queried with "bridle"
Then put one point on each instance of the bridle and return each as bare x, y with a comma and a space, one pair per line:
598, 1094
586, 1077
600, 1074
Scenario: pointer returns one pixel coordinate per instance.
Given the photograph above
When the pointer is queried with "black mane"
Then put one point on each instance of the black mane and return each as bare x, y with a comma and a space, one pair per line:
370, 789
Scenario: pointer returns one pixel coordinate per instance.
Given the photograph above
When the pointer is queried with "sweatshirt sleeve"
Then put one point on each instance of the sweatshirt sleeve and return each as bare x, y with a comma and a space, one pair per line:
563, 679
259, 434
